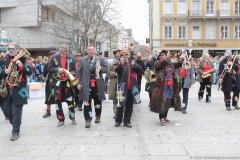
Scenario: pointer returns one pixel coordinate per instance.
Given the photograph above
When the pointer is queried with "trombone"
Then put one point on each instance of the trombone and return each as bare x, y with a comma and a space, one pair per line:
228, 68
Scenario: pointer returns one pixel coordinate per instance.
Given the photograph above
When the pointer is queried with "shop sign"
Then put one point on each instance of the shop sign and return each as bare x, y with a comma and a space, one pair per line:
197, 44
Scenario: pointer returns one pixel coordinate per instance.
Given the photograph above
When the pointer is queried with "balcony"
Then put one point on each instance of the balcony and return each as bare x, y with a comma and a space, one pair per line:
213, 14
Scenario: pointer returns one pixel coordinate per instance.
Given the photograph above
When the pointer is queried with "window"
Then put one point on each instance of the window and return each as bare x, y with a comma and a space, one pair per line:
182, 7
210, 31
168, 7
210, 8
237, 32
182, 32
196, 7
237, 7
196, 32
168, 32
224, 32
224, 7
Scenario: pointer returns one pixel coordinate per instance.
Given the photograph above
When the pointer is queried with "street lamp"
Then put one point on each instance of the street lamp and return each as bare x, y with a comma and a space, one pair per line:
190, 45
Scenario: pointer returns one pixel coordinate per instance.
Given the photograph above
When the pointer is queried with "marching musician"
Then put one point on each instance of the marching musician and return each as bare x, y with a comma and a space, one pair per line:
16, 97
166, 89
61, 86
78, 103
187, 74
127, 72
140, 62
229, 65
49, 98
91, 84
205, 77
113, 80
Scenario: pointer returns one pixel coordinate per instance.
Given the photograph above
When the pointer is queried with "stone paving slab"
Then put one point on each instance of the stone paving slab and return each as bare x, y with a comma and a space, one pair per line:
208, 131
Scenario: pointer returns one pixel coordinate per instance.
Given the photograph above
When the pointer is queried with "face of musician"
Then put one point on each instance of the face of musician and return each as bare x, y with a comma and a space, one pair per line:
90, 51
117, 55
162, 56
123, 57
12, 50
63, 49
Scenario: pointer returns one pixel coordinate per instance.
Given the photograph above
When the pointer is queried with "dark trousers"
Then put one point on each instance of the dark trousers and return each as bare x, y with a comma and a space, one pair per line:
128, 110
139, 81
78, 103
164, 108
185, 92
208, 85
235, 97
13, 113
97, 104
59, 110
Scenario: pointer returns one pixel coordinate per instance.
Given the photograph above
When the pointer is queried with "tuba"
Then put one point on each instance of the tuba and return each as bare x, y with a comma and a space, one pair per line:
66, 75
14, 77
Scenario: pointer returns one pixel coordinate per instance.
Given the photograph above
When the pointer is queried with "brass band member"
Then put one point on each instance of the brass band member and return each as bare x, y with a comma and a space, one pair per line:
91, 84
113, 81
61, 86
78, 103
12, 104
166, 86
127, 72
228, 80
188, 78
205, 77
49, 98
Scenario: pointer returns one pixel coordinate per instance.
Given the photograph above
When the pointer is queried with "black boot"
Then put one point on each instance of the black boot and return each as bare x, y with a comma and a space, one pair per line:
14, 137
47, 114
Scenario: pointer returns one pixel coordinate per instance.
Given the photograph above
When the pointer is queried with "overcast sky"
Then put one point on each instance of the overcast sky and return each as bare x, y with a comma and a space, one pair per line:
134, 14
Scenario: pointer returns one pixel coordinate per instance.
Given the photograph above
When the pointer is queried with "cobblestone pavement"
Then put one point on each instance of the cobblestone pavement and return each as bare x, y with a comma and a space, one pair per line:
207, 131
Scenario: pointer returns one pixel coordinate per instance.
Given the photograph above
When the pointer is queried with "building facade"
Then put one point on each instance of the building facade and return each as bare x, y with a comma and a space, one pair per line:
196, 25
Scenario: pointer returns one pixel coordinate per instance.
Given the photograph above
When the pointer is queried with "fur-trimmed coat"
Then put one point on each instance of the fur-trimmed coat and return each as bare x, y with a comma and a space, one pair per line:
157, 94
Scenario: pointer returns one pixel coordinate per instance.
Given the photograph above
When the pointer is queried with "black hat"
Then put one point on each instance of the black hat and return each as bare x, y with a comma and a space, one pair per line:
52, 52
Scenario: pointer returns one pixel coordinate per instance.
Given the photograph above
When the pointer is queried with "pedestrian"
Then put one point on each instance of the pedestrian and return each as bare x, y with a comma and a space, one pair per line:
61, 86
91, 84
12, 104
127, 71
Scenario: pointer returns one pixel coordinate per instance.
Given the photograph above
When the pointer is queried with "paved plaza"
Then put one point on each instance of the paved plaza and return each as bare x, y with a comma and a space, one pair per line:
207, 131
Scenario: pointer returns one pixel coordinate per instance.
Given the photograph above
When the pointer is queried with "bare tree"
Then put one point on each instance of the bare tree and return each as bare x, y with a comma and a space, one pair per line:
90, 19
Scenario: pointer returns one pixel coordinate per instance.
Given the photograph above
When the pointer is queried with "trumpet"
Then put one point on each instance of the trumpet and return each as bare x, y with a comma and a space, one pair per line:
66, 75
120, 96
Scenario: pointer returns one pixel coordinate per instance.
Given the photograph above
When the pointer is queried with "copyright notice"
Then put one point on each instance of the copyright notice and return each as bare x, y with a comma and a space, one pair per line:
215, 157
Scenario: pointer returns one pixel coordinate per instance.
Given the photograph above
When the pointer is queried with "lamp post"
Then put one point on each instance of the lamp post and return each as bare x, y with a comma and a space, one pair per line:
190, 45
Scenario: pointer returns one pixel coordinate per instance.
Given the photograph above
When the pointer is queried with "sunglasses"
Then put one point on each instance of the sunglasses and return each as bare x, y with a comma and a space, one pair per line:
124, 55
11, 49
